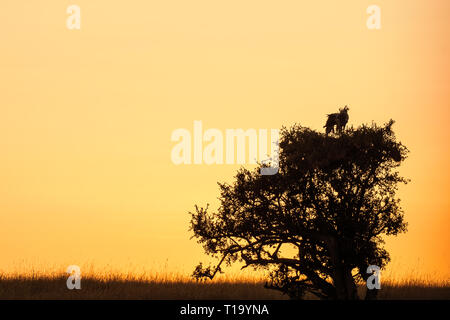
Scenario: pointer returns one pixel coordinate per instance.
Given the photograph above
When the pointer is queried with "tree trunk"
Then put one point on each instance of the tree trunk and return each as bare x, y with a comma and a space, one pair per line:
342, 278
371, 294
352, 292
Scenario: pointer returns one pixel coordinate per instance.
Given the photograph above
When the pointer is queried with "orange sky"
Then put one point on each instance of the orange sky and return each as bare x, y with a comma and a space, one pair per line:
86, 115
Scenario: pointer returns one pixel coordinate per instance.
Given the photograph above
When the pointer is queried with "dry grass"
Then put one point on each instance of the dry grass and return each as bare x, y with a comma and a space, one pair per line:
415, 289
130, 287
175, 286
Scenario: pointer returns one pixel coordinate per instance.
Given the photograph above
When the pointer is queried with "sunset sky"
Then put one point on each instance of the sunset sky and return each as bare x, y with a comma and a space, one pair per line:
86, 115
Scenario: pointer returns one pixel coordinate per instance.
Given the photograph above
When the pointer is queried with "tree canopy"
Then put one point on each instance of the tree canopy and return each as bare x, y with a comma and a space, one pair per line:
317, 224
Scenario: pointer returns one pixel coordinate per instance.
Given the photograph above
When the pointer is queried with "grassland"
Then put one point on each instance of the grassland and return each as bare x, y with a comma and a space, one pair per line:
175, 286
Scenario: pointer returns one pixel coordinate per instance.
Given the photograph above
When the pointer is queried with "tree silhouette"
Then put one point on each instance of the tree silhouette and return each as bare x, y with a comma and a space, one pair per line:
317, 224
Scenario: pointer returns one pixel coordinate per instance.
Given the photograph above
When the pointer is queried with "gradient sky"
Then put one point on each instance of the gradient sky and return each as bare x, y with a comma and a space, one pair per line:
86, 115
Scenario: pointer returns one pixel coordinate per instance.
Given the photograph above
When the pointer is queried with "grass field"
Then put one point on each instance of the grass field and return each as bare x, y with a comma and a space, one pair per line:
174, 286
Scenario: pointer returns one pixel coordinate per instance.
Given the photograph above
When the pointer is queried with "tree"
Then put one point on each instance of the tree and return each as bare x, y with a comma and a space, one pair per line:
318, 223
